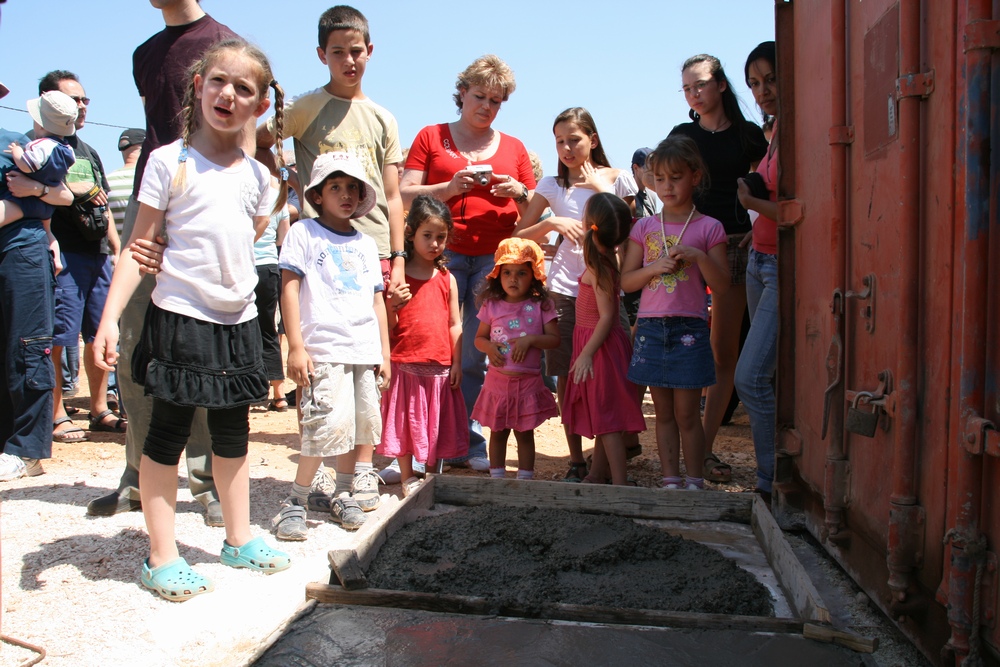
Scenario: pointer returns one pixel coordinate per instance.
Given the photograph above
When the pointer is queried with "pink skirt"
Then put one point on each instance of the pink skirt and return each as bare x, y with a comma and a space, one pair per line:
518, 402
608, 402
422, 415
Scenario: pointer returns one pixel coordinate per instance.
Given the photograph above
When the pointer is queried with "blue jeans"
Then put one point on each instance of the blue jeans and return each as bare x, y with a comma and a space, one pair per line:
27, 304
469, 272
755, 369
70, 368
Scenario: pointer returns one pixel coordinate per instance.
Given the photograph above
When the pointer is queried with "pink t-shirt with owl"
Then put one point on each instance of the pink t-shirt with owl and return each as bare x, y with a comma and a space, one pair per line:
509, 321
681, 294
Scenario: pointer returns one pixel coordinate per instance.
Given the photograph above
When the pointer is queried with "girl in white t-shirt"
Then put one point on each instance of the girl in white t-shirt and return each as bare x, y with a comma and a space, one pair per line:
200, 345
671, 257
584, 170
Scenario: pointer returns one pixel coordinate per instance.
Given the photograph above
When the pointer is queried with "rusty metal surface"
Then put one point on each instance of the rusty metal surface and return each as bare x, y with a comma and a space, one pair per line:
897, 207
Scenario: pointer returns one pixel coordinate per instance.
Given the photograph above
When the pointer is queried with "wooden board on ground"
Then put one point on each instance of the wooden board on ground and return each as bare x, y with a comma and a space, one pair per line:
349, 586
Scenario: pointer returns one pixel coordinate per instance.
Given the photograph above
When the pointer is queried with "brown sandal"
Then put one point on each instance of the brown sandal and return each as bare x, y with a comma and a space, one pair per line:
97, 423
717, 471
67, 435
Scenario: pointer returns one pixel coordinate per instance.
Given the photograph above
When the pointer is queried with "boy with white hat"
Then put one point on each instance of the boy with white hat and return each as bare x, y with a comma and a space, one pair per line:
46, 159
338, 339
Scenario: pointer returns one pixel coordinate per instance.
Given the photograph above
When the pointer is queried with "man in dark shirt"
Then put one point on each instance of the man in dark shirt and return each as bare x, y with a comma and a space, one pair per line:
82, 286
159, 67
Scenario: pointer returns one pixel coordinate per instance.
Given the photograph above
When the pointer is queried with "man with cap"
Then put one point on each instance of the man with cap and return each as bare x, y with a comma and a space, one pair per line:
646, 201
122, 179
27, 285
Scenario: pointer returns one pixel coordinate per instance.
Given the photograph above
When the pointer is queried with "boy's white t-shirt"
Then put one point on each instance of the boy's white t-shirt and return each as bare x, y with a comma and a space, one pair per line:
340, 275
208, 269
567, 264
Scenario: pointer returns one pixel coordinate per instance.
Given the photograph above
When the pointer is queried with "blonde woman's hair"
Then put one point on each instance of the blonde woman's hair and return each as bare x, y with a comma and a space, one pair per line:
489, 72
191, 112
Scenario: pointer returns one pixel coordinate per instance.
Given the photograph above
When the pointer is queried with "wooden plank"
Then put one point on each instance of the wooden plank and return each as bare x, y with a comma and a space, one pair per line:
459, 604
791, 575
368, 546
851, 640
596, 499
346, 570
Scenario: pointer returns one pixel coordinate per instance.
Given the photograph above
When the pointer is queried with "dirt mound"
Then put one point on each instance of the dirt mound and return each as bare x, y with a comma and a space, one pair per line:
529, 556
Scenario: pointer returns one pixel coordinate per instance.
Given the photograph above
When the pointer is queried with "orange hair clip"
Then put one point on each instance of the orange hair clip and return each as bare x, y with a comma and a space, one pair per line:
594, 227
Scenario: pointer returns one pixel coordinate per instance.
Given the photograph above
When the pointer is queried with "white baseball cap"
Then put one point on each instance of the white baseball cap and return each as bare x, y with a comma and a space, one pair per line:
331, 163
56, 112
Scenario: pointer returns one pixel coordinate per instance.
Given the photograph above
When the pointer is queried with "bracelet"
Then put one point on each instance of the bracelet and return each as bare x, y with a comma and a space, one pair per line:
397, 253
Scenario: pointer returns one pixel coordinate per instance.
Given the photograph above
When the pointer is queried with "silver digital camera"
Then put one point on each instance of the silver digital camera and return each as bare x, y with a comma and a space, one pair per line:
481, 173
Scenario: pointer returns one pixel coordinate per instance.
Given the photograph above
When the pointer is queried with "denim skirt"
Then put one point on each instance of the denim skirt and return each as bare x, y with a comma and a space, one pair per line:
672, 352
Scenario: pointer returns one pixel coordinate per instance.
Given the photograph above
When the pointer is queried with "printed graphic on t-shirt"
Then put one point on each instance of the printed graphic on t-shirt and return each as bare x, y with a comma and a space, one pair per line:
343, 265
514, 327
655, 248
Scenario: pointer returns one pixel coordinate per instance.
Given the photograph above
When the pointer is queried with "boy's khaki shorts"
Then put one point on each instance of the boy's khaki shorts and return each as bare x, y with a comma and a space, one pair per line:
340, 409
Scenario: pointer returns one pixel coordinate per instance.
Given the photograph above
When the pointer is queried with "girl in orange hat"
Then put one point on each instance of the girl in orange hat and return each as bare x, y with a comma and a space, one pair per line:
517, 320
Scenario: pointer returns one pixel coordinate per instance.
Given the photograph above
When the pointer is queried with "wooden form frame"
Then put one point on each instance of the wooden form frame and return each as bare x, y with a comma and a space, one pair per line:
348, 584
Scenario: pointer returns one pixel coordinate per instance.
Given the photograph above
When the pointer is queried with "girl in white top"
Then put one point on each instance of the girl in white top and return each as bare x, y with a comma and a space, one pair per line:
584, 170
200, 345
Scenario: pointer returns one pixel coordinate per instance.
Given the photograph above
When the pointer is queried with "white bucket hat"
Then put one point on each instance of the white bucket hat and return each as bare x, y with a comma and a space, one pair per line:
331, 163
56, 112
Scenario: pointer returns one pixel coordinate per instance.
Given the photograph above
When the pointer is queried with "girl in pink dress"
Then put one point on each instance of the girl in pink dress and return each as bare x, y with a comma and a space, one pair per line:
517, 320
600, 401
423, 412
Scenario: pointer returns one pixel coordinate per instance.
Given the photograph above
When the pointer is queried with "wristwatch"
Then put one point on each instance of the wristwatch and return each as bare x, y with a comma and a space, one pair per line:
397, 253
45, 191
523, 197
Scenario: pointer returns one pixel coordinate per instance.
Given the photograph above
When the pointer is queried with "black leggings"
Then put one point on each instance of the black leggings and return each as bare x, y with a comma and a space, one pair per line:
170, 428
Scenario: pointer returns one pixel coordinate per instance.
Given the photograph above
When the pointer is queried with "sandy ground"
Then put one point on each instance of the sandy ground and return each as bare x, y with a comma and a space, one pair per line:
70, 583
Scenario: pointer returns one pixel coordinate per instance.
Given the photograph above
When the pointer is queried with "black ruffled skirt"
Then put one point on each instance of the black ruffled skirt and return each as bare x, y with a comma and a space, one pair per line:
191, 362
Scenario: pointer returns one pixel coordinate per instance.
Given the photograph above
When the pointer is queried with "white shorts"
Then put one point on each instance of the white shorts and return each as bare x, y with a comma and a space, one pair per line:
340, 409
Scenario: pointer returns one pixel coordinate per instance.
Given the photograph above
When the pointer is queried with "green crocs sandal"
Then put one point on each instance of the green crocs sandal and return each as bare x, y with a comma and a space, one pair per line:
255, 555
175, 581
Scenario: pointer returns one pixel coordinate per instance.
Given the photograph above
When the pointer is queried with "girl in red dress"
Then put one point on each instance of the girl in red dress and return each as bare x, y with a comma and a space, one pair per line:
600, 401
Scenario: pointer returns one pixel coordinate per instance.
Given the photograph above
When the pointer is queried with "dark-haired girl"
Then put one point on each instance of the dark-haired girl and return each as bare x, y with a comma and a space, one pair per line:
730, 146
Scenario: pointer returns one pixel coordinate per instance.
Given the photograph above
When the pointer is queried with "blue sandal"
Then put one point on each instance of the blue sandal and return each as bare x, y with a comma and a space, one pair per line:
255, 555
175, 581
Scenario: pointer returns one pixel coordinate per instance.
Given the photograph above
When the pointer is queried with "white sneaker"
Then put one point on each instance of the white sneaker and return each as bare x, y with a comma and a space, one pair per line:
479, 463
323, 481
390, 473
33, 467
364, 490
11, 467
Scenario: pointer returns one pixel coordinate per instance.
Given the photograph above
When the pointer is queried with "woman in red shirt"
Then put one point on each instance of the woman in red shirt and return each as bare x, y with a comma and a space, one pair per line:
755, 369
485, 178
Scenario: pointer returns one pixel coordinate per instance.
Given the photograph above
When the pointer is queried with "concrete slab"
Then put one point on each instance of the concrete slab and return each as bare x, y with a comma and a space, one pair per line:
344, 635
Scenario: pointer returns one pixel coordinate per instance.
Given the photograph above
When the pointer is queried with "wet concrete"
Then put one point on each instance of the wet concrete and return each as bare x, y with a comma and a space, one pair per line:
343, 635
525, 557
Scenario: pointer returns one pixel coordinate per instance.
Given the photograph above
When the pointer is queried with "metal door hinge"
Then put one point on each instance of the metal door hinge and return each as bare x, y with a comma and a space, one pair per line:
981, 35
915, 85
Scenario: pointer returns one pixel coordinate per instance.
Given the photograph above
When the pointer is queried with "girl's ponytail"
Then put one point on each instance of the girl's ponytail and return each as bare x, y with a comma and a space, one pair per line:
609, 221
189, 121
279, 134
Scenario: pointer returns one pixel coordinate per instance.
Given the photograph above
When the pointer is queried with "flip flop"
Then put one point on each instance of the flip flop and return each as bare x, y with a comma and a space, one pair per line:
97, 423
71, 434
175, 581
716, 470
70, 410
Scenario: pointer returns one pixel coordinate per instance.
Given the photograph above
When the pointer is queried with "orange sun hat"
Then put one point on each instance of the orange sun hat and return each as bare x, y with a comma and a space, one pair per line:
519, 251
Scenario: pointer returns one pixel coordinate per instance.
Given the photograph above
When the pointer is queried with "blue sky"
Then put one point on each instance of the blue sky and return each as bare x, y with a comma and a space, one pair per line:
620, 60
